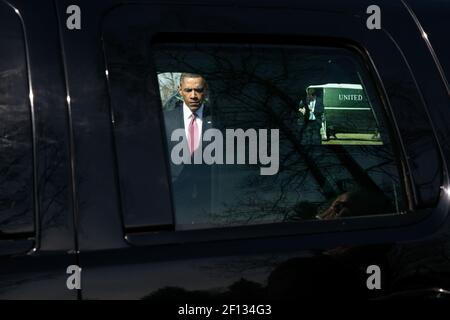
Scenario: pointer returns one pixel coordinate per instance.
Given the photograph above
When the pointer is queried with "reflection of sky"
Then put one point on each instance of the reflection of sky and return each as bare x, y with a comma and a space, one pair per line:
167, 78
140, 280
257, 199
240, 195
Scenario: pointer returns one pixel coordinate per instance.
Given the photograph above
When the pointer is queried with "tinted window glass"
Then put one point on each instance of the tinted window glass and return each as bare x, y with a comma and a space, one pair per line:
16, 166
279, 133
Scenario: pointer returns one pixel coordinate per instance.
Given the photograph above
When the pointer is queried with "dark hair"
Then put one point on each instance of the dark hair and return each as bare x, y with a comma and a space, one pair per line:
312, 92
190, 75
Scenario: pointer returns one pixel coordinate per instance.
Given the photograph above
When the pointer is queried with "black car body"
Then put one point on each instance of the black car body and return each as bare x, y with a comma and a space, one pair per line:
85, 181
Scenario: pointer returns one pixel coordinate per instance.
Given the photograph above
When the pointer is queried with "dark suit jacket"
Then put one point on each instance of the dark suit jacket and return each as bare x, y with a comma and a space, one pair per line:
309, 130
174, 120
191, 183
318, 108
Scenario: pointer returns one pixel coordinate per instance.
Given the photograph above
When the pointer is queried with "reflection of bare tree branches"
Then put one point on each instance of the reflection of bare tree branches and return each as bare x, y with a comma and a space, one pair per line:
53, 190
16, 187
260, 89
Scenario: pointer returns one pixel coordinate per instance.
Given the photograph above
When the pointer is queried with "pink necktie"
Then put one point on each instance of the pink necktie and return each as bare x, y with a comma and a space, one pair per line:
193, 134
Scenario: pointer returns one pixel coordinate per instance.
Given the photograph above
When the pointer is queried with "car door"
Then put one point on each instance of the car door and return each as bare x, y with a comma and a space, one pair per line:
132, 244
37, 239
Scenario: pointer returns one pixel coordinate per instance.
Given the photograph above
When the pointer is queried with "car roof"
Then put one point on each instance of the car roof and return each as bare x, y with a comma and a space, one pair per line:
337, 86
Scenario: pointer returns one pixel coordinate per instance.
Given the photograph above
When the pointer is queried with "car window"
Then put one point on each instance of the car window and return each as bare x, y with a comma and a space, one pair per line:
16, 160
261, 133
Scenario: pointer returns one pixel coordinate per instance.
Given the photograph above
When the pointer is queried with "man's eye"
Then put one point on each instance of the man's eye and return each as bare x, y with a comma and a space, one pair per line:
200, 90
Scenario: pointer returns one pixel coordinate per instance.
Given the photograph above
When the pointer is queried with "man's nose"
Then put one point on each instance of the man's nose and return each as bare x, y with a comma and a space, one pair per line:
193, 94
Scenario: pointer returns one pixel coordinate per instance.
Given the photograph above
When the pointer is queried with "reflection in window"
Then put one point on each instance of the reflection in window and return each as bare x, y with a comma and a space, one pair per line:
16, 182
333, 149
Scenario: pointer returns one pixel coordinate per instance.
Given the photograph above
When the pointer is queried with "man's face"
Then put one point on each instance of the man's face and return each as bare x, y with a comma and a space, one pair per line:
193, 91
311, 95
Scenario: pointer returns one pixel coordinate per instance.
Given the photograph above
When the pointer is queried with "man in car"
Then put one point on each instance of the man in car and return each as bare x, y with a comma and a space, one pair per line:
190, 182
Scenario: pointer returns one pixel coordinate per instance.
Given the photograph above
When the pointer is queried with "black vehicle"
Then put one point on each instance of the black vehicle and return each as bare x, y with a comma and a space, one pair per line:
89, 181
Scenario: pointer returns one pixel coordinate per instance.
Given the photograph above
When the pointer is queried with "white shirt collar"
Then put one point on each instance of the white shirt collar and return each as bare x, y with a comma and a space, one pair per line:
187, 112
